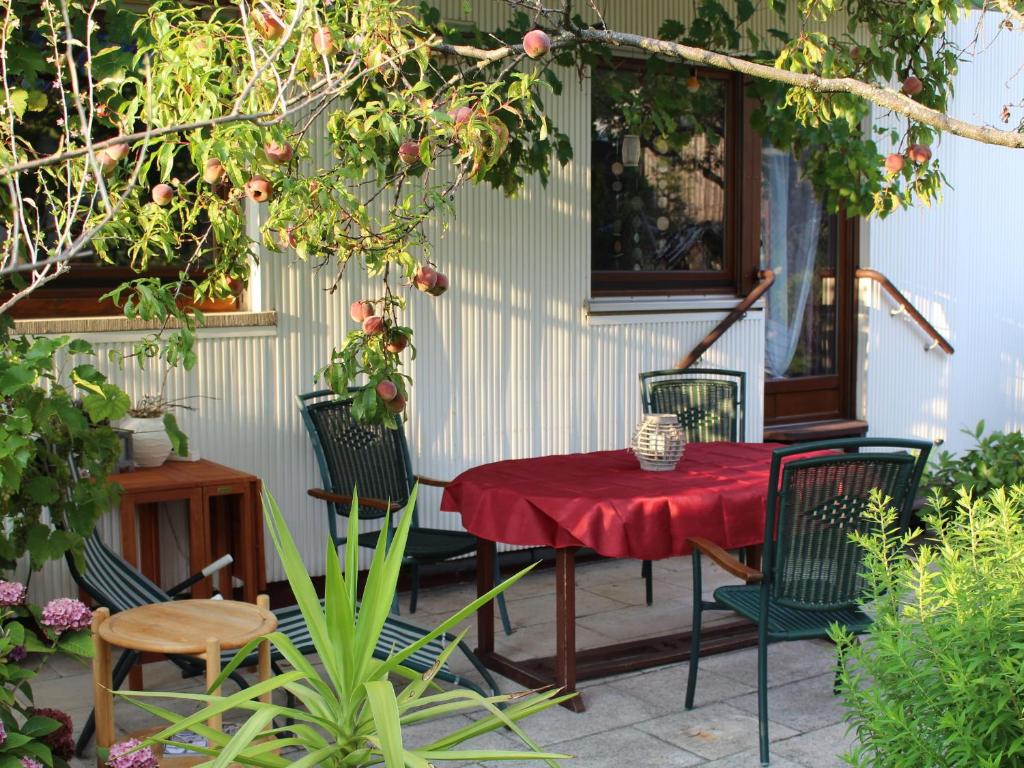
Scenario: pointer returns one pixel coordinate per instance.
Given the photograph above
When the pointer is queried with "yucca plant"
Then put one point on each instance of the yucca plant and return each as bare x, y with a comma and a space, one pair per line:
350, 714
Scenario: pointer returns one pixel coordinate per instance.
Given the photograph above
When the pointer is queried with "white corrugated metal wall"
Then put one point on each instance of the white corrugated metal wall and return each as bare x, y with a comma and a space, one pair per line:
960, 263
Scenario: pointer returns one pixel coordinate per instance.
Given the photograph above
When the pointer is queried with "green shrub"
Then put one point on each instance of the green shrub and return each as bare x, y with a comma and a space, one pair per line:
939, 679
993, 462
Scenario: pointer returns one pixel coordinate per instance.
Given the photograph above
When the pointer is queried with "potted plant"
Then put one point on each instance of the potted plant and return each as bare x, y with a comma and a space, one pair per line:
155, 431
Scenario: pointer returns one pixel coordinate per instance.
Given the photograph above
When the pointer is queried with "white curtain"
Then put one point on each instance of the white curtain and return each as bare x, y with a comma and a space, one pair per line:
790, 222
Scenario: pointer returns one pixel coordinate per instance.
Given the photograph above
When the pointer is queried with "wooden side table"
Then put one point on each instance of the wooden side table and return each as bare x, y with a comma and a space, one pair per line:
212, 491
200, 628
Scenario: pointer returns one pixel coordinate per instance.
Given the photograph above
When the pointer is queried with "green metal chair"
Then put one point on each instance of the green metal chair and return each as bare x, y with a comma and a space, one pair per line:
810, 573
375, 461
709, 403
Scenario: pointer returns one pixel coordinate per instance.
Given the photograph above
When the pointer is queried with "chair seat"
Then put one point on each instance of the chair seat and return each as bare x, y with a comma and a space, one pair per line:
785, 622
429, 545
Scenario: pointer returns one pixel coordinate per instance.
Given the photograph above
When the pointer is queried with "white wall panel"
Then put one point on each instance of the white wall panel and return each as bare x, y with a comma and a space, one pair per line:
959, 262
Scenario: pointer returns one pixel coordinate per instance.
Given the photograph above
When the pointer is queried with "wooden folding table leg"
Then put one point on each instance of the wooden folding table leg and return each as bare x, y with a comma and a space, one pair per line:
199, 540
565, 622
102, 685
247, 538
263, 665
485, 553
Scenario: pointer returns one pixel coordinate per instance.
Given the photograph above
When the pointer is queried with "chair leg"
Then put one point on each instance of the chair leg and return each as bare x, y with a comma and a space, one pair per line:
125, 662
506, 623
762, 690
414, 587
647, 572
698, 609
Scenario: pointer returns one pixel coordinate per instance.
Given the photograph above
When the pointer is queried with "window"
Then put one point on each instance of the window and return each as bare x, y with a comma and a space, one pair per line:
668, 195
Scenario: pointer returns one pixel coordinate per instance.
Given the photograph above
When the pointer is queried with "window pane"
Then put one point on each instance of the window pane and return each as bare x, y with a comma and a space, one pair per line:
657, 190
797, 243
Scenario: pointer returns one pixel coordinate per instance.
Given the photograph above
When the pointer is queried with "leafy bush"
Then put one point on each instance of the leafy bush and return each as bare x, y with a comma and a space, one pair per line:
939, 679
350, 714
993, 462
31, 737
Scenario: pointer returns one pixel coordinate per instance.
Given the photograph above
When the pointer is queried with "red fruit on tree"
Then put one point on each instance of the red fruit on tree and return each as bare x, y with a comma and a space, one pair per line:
387, 390
258, 189
919, 153
397, 405
117, 151
425, 278
536, 43
397, 341
163, 194
894, 163
214, 172
106, 161
286, 238
323, 42
360, 310
409, 152
462, 115
373, 325
692, 84
278, 154
440, 286
267, 25
912, 86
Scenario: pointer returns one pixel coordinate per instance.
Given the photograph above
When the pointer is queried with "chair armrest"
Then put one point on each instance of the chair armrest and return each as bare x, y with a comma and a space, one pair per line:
726, 561
337, 498
424, 480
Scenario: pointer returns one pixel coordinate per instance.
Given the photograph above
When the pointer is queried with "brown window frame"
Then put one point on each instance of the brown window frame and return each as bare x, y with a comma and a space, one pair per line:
741, 230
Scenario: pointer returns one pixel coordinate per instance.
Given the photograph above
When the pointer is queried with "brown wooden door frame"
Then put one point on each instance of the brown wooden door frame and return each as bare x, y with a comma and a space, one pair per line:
820, 398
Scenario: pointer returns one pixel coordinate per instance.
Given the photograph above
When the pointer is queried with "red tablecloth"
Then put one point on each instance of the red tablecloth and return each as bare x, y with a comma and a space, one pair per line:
604, 500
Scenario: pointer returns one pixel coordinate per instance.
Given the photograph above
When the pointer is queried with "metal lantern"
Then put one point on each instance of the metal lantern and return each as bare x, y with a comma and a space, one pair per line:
658, 442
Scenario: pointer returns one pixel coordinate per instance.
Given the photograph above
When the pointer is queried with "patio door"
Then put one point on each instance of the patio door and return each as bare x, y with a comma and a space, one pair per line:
809, 312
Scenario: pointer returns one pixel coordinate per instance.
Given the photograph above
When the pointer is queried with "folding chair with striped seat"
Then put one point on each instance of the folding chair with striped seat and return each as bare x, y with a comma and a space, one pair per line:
115, 584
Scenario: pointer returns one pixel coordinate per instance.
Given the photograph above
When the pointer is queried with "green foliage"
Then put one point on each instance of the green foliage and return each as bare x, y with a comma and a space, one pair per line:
42, 429
939, 679
351, 714
22, 632
993, 462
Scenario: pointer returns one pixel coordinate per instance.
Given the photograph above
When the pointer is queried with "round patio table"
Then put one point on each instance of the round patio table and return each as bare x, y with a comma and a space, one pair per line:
199, 628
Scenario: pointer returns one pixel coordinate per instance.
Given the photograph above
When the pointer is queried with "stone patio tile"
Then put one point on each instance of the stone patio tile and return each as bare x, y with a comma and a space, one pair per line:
666, 687
636, 621
616, 749
712, 731
540, 609
821, 748
803, 705
751, 758
787, 662
667, 595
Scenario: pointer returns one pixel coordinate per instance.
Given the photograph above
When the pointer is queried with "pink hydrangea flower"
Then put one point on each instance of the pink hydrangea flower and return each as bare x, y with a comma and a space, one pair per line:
122, 756
64, 614
30, 762
12, 593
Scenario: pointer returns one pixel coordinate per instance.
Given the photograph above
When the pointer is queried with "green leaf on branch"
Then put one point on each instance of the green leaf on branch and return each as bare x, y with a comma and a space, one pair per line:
179, 440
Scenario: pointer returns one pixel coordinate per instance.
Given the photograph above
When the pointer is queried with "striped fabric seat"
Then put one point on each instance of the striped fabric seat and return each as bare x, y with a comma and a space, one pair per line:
114, 583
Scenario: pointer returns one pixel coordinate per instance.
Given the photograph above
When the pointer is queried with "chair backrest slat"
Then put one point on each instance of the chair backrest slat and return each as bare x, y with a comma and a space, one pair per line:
809, 560
111, 581
709, 402
369, 458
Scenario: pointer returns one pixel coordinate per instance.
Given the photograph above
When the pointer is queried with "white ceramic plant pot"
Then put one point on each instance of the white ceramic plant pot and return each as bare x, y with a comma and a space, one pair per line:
150, 444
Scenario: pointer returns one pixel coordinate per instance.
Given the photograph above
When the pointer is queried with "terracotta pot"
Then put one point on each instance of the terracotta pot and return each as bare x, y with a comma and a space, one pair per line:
150, 444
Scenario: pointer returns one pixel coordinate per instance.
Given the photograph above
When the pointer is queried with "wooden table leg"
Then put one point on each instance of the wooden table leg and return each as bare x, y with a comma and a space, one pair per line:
199, 541
263, 665
149, 540
212, 673
129, 543
754, 556
102, 685
565, 620
485, 554
247, 519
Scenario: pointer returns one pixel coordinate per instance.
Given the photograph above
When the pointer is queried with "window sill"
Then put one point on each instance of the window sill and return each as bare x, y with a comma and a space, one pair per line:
618, 310
218, 324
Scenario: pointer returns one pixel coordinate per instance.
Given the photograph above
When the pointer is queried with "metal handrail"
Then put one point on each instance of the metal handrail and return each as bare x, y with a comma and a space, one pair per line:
906, 306
765, 280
